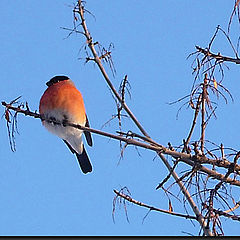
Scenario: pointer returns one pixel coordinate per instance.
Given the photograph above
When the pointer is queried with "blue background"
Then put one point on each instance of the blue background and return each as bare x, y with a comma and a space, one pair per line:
42, 190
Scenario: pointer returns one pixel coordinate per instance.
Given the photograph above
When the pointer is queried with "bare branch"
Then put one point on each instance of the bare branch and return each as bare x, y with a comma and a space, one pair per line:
151, 208
236, 7
104, 73
218, 56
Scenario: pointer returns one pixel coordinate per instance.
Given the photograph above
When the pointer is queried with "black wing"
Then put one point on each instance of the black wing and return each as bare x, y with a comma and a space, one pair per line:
88, 134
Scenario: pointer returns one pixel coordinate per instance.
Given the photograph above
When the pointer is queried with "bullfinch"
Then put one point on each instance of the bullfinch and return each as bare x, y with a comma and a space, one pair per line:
62, 102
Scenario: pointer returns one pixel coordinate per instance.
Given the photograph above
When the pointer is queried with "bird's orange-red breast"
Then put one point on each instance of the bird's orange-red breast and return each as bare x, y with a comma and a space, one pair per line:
62, 102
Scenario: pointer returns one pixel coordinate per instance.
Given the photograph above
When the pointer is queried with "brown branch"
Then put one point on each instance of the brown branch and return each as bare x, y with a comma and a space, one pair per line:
152, 208
186, 193
104, 73
168, 176
106, 134
218, 56
236, 6
135, 135
233, 208
20, 110
194, 119
224, 213
210, 173
187, 158
203, 110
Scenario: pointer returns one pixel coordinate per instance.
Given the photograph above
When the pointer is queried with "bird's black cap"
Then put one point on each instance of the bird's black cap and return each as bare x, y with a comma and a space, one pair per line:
56, 79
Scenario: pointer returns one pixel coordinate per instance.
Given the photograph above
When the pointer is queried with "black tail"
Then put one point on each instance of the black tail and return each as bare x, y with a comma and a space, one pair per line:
83, 159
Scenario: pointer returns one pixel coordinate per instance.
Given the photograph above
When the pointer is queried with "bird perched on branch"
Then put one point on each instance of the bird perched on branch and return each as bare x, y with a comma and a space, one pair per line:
63, 103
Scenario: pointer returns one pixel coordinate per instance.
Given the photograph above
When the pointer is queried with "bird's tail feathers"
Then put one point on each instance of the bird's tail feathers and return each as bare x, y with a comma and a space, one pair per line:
84, 161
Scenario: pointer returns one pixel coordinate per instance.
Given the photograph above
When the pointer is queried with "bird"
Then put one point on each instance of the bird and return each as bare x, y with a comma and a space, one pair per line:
61, 103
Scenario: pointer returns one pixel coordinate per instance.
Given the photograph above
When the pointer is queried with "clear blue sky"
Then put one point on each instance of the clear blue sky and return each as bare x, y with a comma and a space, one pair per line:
43, 191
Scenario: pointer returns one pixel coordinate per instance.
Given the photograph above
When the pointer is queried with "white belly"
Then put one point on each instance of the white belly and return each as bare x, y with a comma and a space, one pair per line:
72, 135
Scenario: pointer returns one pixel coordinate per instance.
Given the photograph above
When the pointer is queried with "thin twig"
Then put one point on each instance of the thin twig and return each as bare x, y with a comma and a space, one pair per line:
194, 119
203, 110
218, 56
151, 208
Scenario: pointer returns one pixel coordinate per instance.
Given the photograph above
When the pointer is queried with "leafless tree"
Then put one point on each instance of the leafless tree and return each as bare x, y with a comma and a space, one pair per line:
208, 178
